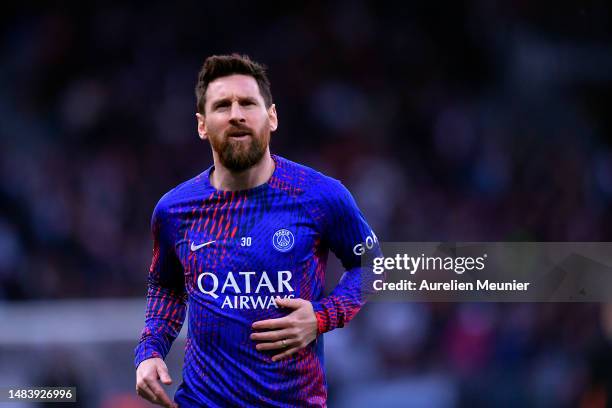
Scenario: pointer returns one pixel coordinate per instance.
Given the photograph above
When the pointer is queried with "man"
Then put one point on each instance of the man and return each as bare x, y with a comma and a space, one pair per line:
245, 244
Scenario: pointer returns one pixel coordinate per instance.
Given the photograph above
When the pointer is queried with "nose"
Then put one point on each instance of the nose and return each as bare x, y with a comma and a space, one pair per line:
236, 114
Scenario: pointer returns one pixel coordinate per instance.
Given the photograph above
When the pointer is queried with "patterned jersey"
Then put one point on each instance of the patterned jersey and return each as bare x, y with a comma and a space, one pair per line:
224, 256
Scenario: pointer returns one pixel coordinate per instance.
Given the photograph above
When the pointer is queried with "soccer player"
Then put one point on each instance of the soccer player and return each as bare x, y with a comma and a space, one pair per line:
244, 245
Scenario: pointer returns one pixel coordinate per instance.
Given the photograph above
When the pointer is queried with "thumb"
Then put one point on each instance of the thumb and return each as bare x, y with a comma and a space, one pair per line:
288, 302
164, 376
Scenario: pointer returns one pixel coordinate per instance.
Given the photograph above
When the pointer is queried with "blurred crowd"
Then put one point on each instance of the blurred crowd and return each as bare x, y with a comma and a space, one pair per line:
467, 121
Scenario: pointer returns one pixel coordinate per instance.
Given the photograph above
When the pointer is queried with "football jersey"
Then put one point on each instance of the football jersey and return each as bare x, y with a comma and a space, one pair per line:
223, 256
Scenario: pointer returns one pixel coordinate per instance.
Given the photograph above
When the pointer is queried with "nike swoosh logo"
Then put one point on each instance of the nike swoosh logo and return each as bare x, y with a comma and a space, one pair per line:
195, 247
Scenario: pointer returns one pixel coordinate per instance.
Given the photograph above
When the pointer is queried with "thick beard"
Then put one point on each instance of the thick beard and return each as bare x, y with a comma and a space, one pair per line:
238, 156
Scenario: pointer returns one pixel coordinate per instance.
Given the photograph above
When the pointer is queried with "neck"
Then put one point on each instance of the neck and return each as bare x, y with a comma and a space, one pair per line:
224, 179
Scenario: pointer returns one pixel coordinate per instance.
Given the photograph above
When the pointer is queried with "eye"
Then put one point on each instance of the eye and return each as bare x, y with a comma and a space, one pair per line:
221, 105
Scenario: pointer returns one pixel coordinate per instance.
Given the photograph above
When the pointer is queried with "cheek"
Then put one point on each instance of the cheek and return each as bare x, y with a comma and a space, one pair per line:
260, 121
213, 126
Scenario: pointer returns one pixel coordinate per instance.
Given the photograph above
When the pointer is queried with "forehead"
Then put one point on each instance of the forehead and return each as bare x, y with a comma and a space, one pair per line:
233, 86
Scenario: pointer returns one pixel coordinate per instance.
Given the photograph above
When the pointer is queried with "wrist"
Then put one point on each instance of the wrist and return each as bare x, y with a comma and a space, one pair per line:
321, 315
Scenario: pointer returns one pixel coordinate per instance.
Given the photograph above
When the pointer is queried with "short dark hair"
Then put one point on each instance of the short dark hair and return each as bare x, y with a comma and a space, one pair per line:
217, 66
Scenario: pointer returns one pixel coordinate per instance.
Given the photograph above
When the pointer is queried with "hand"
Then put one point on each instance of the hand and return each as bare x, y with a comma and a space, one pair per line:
147, 386
290, 333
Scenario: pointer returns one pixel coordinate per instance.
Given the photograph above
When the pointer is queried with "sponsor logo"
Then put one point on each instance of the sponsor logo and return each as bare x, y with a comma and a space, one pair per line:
365, 246
241, 290
195, 247
283, 240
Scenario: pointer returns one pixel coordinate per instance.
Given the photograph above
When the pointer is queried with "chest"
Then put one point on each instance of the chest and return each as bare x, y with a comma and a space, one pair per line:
247, 236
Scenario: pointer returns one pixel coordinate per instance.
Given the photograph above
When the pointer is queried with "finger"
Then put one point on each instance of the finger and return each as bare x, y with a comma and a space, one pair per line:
281, 344
145, 392
293, 303
272, 335
160, 394
285, 354
164, 376
280, 323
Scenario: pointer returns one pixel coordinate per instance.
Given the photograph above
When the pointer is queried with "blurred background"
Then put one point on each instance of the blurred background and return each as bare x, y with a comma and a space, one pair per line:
449, 121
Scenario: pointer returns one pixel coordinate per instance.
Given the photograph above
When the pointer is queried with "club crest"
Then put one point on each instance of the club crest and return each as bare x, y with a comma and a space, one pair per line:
283, 240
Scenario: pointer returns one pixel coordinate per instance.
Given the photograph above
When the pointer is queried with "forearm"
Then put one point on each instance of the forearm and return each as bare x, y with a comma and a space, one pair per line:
347, 298
164, 318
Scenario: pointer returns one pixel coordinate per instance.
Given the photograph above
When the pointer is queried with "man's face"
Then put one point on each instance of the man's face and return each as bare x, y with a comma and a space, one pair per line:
236, 121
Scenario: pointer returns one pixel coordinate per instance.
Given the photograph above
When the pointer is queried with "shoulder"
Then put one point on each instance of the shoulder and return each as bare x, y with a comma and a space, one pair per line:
306, 181
324, 198
187, 190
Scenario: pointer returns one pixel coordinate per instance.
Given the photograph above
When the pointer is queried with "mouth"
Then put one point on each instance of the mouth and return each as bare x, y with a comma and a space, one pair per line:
239, 134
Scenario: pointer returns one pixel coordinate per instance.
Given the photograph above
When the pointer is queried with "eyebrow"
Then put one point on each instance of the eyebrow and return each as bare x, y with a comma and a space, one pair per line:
228, 100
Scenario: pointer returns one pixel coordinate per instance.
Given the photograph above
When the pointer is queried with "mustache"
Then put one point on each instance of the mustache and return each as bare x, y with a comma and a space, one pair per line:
239, 129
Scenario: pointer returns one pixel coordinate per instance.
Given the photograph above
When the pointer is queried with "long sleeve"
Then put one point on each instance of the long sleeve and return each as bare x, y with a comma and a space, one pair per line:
348, 235
166, 296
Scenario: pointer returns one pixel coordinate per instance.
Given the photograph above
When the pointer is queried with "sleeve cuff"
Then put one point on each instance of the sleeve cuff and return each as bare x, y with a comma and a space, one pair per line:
323, 323
145, 351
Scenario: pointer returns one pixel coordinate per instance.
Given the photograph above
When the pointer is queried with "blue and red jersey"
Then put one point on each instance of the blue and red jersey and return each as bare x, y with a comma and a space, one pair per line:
223, 256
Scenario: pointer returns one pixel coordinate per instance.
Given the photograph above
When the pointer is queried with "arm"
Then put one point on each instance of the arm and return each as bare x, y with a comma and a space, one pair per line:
165, 313
166, 296
348, 235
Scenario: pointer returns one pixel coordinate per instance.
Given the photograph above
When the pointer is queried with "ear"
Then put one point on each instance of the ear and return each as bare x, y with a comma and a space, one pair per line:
201, 126
273, 117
